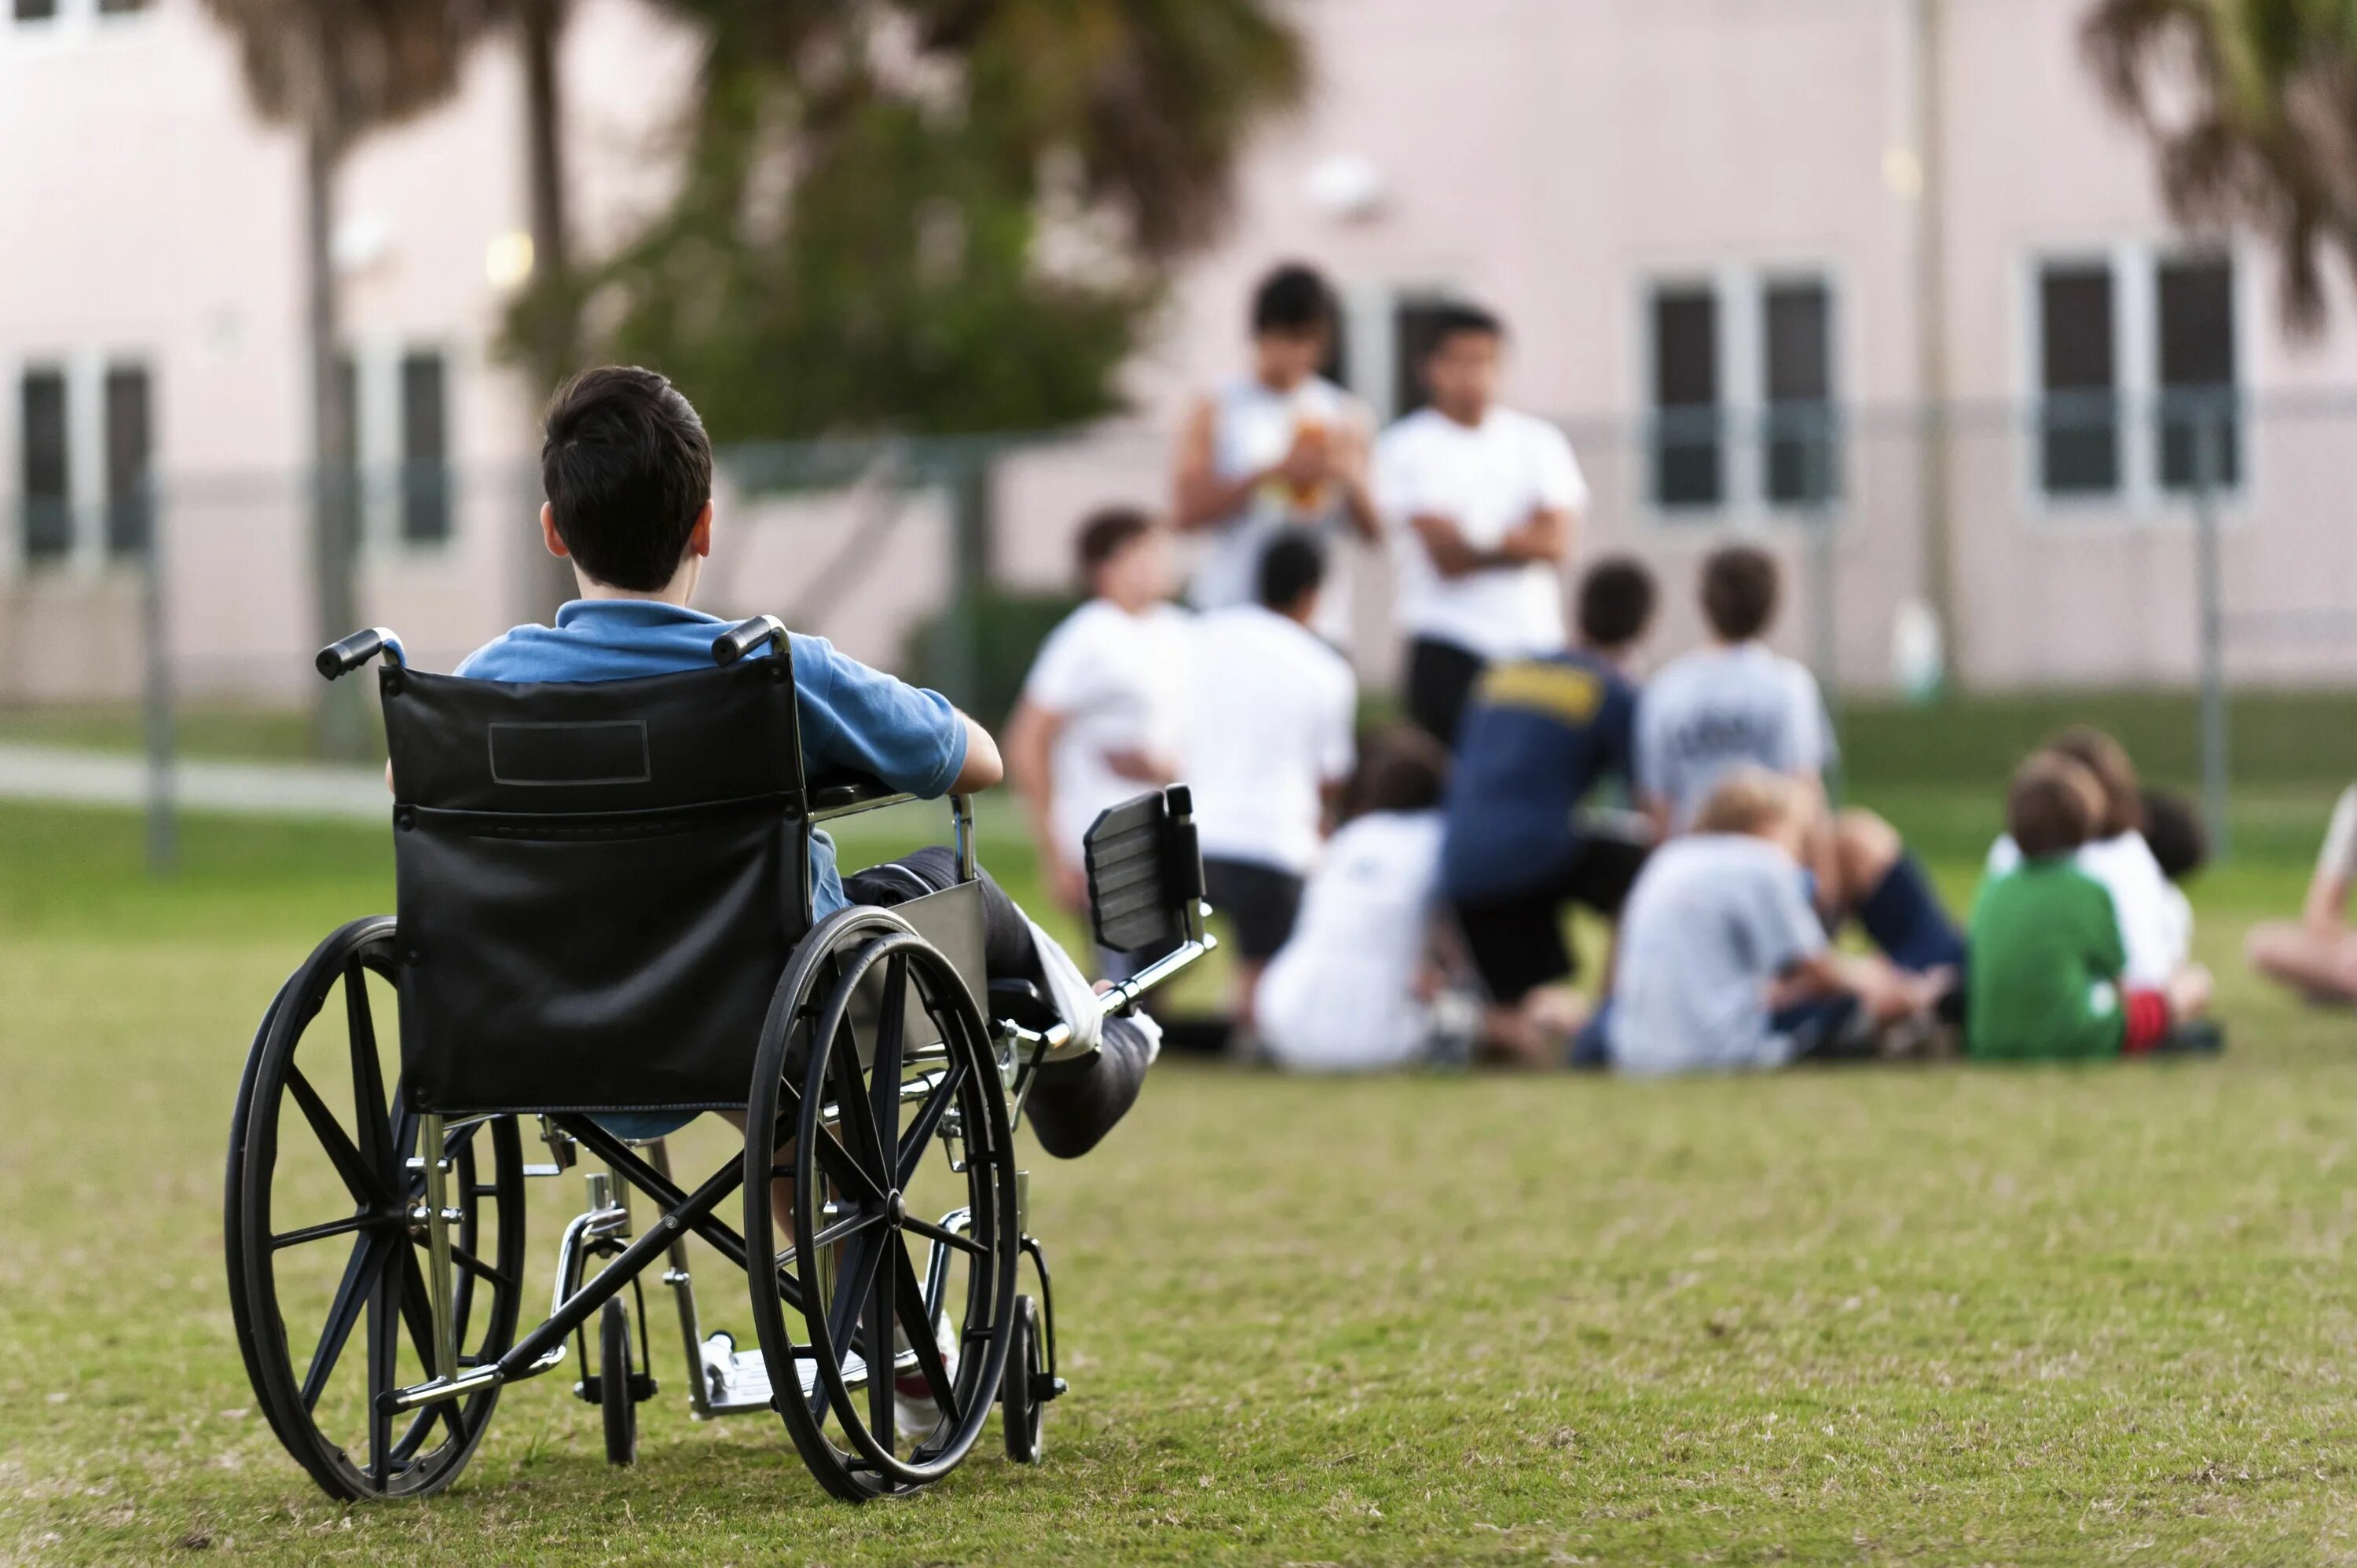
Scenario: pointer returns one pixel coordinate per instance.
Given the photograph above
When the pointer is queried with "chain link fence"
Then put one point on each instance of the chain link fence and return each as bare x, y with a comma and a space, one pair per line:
2198, 543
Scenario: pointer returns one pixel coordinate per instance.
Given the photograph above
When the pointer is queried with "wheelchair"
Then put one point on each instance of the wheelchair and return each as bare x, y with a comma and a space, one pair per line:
604, 910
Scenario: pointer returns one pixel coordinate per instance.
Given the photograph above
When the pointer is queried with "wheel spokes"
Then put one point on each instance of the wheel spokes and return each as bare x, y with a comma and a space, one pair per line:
843, 1228
853, 1112
384, 1367
479, 1269
881, 1371
927, 1121
884, 1073
359, 1282
371, 1115
852, 1285
920, 1333
364, 1220
946, 1237
366, 1187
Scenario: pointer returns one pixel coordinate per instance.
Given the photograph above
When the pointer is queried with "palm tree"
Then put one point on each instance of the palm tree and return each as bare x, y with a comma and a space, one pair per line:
870, 185
334, 71
2252, 105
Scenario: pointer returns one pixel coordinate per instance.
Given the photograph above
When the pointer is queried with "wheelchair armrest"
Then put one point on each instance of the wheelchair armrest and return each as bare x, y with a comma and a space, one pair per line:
849, 791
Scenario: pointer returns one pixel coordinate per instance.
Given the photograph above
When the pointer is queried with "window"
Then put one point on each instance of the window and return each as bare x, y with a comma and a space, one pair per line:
1796, 355
2137, 331
2078, 381
2194, 303
35, 10
1413, 318
47, 492
425, 450
118, 8
129, 446
1689, 466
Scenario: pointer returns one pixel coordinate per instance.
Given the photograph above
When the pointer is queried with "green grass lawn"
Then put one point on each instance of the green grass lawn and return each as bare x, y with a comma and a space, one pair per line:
1936, 1315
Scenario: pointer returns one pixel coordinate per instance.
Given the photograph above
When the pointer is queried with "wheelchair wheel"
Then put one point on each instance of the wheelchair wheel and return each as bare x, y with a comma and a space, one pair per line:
324, 1229
860, 1109
1018, 1395
622, 1411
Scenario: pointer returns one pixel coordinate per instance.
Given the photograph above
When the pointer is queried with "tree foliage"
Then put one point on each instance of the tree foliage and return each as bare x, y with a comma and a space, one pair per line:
2252, 105
935, 215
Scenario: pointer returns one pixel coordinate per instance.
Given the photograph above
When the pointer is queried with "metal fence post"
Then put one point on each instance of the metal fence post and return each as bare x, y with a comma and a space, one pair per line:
2208, 436
1818, 467
155, 688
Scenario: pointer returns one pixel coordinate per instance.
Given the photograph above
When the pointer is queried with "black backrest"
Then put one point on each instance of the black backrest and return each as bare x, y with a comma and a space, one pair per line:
1145, 868
598, 884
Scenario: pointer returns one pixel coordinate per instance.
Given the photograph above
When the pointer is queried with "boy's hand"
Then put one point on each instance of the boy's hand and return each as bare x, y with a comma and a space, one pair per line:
1141, 766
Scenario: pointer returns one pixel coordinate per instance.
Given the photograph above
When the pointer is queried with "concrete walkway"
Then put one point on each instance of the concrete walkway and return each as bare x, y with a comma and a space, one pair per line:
242, 788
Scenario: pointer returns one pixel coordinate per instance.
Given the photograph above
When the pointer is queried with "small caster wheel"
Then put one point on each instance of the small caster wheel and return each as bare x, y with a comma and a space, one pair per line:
1019, 1388
614, 1384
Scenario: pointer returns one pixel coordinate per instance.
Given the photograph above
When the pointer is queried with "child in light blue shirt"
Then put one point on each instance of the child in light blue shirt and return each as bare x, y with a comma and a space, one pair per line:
628, 470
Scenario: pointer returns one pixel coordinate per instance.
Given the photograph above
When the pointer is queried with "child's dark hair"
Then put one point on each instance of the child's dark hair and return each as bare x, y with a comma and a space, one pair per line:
1293, 299
1401, 768
1616, 603
1292, 565
1105, 533
2050, 809
2175, 832
2107, 759
1459, 320
1739, 591
626, 468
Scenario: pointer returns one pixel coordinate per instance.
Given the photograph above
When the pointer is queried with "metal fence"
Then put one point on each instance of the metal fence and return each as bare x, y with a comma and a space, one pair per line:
2197, 542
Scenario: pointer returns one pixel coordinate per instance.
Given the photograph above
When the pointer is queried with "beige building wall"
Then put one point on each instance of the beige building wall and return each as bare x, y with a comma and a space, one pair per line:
1552, 158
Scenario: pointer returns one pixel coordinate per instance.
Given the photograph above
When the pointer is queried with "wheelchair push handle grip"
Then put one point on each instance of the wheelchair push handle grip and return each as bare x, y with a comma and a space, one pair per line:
746, 638
341, 658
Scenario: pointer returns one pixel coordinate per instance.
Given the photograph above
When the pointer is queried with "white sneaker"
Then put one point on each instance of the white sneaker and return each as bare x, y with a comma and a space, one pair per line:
914, 1410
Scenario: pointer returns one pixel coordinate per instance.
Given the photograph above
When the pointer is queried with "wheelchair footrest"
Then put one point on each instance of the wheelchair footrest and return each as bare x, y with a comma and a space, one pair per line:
737, 1380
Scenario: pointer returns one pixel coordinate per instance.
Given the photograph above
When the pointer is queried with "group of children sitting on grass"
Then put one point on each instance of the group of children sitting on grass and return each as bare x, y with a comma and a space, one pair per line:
1729, 891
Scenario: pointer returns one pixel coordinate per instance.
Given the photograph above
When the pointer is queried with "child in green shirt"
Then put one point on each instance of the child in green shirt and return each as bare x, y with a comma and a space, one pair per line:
2046, 951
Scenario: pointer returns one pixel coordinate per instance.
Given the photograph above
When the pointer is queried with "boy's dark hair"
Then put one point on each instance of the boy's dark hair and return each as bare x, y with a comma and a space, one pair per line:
1616, 602
2176, 834
1293, 299
1739, 591
626, 468
2048, 808
1105, 533
1292, 565
2107, 759
1401, 768
1456, 320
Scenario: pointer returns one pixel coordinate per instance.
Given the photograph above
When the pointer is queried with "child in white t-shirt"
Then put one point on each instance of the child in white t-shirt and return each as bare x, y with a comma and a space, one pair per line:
1354, 988
1104, 714
1269, 747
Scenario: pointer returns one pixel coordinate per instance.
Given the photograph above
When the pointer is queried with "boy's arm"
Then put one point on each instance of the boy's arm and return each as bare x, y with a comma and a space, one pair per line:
1200, 498
983, 768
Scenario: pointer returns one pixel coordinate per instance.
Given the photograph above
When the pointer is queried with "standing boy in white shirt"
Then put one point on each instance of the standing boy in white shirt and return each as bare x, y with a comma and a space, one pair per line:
1103, 713
1279, 452
1269, 747
1484, 501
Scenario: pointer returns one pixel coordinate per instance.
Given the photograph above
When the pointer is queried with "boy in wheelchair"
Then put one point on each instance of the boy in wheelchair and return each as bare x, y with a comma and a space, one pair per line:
628, 471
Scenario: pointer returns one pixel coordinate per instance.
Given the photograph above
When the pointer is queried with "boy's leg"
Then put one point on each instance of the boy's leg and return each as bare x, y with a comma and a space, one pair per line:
2320, 963
1260, 903
1074, 1103
1886, 889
